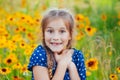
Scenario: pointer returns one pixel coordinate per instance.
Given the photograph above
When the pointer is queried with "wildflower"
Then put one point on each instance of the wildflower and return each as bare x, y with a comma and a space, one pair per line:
113, 77
3, 41
79, 26
79, 36
24, 68
87, 21
10, 59
23, 3
11, 45
103, 17
110, 53
119, 23
23, 44
88, 73
17, 78
17, 66
79, 17
90, 31
92, 64
118, 69
5, 71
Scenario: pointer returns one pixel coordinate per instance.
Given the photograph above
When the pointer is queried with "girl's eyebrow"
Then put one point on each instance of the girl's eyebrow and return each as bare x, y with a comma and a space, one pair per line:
52, 27
48, 27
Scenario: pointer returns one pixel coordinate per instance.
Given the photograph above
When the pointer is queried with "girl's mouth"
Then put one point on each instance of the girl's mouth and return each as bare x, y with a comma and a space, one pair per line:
55, 44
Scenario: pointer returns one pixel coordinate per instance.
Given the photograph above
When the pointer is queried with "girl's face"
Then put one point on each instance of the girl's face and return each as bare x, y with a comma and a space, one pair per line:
56, 35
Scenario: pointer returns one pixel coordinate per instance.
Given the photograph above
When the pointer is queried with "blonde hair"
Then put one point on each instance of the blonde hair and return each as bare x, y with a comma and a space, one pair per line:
69, 22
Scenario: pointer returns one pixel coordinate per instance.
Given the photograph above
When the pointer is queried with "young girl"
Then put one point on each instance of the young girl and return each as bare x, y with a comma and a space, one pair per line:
55, 59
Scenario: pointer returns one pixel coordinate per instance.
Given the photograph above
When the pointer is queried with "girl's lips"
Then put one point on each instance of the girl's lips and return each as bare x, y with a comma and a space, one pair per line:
56, 43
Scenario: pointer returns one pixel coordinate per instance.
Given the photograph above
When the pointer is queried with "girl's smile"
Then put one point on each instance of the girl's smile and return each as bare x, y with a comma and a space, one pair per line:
56, 35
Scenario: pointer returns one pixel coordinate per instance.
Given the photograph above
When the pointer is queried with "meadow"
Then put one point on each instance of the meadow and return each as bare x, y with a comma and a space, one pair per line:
97, 34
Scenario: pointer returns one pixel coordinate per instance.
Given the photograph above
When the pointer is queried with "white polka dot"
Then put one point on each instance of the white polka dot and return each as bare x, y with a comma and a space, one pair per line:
82, 69
42, 59
79, 69
81, 64
38, 51
68, 78
39, 60
36, 63
40, 54
77, 64
36, 57
81, 74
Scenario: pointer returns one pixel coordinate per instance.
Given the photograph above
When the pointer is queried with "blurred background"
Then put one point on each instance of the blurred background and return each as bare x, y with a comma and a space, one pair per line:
97, 35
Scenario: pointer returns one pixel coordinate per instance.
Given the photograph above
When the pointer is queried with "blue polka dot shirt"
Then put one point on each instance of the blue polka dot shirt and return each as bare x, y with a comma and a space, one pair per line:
39, 58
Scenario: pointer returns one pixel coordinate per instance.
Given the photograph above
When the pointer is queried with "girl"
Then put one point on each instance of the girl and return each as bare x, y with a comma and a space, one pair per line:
55, 59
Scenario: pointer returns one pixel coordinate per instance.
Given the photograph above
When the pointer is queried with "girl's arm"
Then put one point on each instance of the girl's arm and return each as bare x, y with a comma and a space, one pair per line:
41, 73
73, 72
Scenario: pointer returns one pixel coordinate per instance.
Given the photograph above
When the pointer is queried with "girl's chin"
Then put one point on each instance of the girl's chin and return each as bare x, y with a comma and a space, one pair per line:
57, 51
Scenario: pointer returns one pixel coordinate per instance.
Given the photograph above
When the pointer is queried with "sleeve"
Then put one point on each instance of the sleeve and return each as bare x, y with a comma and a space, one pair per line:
81, 65
38, 58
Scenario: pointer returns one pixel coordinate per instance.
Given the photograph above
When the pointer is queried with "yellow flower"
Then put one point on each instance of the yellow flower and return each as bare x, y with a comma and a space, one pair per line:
17, 30
119, 15
118, 69
103, 17
90, 31
30, 36
5, 71
79, 36
87, 55
3, 41
87, 21
17, 37
10, 59
23, 44
119, 23
79, 17
0, 58
92, 64
13, 56
23, 3
113, 77
17, 78
88, 73
11, 46
11, 19
24, 68
80, 26
110, 53
28, 51
17, 66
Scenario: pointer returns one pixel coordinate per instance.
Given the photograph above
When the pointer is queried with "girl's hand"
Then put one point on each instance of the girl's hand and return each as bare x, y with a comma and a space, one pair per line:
65, 57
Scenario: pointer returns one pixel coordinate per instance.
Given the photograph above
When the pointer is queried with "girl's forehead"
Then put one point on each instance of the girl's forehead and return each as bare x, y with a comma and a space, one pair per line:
56, 23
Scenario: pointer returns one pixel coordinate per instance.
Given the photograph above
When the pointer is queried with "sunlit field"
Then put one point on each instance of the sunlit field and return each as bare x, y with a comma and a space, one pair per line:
97, 34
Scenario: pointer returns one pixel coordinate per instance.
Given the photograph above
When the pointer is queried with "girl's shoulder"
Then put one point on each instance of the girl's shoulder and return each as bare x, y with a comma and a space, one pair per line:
39, 53
77, 53
39, 50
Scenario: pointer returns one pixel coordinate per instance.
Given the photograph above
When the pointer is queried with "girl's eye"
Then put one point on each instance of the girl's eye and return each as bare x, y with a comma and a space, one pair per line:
62, 31
50, 31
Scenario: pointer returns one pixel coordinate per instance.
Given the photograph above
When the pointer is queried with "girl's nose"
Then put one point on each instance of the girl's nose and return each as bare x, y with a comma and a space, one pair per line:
55, 37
